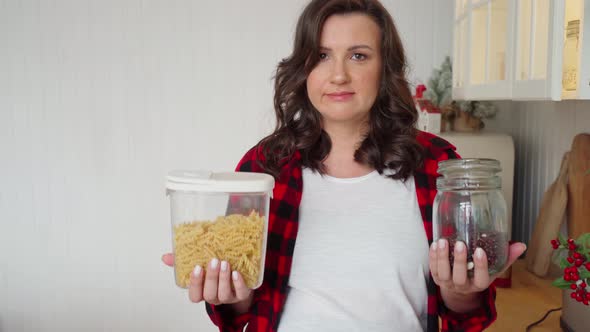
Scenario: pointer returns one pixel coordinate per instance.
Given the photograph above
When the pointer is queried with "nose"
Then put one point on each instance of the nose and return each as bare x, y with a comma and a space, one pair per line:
339, 73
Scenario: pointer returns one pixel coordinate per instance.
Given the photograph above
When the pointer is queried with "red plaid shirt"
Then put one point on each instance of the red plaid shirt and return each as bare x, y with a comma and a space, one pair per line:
269, 299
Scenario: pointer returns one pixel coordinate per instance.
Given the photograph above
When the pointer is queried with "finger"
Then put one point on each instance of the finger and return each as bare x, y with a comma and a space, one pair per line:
224, 293
242, 291
515, 251
195, 290
211, 282
444, 267
481, 277
432, 260
168, 259
460, 265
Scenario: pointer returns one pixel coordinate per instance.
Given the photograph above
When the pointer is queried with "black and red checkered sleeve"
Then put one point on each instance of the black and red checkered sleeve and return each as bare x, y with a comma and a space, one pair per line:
476, 320
222, 315
436, 150
269, 298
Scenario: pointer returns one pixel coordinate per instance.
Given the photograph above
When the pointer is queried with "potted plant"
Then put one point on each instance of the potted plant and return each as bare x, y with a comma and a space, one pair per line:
469, 115
458, 115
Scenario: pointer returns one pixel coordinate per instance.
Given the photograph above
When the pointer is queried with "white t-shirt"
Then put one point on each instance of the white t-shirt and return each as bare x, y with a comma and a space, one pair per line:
360, 261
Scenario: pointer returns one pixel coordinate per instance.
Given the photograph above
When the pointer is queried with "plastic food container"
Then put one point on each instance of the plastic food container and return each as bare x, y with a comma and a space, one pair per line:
469, 207
219, 215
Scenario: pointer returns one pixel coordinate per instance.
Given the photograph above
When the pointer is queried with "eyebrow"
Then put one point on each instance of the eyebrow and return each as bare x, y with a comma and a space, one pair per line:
352, 48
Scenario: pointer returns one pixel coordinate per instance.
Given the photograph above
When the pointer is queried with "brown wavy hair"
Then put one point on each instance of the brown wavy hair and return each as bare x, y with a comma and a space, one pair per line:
389, 143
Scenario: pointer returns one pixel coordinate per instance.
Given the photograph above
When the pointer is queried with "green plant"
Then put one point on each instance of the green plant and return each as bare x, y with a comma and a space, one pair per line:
574, 259
439, 89
478, 109
440, 93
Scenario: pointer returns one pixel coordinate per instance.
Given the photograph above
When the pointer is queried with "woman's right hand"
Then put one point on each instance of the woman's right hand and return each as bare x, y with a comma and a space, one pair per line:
214, 285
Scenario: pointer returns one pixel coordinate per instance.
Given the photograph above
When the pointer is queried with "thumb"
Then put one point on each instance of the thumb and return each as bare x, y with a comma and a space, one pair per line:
514, 251
168, 259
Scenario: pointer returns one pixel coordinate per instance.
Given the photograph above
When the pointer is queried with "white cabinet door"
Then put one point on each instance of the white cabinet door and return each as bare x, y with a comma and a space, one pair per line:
482, 49
537, 70
521, 50
550, 63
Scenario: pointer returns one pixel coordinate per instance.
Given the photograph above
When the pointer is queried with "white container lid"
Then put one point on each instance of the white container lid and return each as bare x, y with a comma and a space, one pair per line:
206, 181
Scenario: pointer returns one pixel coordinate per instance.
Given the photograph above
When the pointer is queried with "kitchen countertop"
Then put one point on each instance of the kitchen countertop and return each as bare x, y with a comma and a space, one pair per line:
527, 301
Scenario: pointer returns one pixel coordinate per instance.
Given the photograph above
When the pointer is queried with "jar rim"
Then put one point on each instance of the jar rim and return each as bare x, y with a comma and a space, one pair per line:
470, 184
469, 164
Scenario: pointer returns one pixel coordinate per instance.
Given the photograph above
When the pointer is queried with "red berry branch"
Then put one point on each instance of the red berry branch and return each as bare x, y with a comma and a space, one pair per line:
575, 263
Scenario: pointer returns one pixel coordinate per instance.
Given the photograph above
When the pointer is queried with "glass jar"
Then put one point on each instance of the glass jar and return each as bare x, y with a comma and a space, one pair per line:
219, 215
469, 207
570, 56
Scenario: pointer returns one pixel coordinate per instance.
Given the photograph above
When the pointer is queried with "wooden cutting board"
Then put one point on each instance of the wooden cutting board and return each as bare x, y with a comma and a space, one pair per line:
551, 214
578, 208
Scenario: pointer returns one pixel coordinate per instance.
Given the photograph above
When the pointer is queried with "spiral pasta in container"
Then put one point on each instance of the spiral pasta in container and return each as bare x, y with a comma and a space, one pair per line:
219, 215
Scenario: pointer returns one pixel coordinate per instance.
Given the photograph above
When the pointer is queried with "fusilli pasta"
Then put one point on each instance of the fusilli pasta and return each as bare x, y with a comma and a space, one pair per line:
235, 238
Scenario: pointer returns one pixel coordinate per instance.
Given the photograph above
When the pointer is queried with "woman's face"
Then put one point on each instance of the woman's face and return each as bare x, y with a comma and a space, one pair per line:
344, 84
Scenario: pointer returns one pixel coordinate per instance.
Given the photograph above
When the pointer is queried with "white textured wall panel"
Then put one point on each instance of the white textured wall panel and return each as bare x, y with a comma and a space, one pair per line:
98, 100
543, 131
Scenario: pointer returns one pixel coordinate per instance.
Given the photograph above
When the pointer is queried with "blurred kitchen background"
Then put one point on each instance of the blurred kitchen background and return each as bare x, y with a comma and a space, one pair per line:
100, 99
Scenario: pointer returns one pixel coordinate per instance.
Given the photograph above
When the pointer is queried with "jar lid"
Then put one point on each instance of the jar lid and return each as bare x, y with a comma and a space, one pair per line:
206, 181
468, 166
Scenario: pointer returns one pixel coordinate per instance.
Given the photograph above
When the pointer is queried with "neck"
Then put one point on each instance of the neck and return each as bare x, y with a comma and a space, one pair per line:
345, 141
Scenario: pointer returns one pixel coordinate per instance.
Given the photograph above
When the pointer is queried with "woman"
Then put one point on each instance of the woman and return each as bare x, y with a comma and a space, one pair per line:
349, 250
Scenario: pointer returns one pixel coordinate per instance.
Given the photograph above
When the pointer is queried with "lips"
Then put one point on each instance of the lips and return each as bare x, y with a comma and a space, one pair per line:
340, 96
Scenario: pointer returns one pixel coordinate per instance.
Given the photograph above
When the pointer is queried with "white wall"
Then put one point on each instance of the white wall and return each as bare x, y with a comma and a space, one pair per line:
98, 100
543, 131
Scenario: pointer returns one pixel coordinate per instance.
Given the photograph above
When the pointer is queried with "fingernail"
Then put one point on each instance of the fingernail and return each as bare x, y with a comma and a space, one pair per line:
479, 253
234, 275
224, 266
434, 245
214, 263
441, 244
197, 271
459, 247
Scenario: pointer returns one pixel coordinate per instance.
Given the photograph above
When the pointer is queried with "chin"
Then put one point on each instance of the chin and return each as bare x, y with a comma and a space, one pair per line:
342, 114
341, 118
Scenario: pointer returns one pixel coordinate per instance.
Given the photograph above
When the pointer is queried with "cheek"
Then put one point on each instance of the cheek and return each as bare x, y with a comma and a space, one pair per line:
313, 86
371, 83
376, 79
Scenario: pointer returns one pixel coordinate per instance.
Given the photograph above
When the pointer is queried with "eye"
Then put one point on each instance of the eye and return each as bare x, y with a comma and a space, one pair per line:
323, 56
359, 56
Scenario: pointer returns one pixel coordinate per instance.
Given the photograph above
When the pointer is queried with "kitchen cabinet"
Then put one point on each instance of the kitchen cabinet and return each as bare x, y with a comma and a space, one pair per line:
521, 50
482, 47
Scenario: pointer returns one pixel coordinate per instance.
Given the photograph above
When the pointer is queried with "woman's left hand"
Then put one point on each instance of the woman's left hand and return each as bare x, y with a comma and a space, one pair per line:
455, 282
